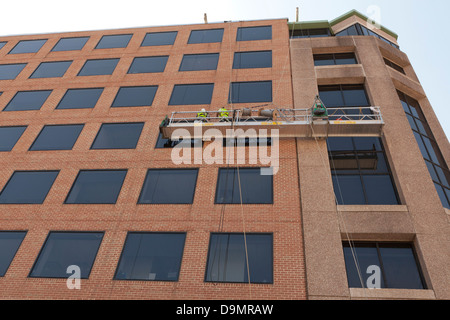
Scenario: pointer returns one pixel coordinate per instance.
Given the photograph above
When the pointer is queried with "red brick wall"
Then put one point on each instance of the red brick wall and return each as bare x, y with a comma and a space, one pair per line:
198, 220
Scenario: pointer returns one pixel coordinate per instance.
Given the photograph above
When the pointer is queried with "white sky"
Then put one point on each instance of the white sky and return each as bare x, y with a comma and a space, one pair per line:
421, 25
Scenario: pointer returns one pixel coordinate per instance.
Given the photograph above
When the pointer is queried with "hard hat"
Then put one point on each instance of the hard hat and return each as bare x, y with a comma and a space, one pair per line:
203, 110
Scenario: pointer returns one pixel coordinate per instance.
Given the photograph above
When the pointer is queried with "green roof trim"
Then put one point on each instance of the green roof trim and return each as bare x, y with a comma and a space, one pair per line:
328, 24
359, 14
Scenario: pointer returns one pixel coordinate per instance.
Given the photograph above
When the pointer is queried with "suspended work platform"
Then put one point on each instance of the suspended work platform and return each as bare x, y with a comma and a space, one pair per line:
285, 123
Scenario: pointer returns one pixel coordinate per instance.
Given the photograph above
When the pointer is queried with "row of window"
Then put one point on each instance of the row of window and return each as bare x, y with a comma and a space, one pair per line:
232, 257
152, 64
150, 39
182, 94
161, 186
355, 30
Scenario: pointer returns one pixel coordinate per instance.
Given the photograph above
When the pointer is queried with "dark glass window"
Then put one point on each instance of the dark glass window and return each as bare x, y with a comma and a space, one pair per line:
227, 258
195, 62
254, 33
169, 186
9, 137
28, 187
69, 44
28, 100
162, 143
246, 92
206, 36
10, 242
135, 96
114, 41
148, 64
57, 137
397, 262
151, 256
252, 59
99, 67
429, 148
118, 136
28, 46
80, 98
255, 188
2, 44
11, 71
334, 59
246, 142
311, 33
51, 69
96, 187
359, 30
159, 38
360, 172
394, 65
189, 94
347, 98
64, 249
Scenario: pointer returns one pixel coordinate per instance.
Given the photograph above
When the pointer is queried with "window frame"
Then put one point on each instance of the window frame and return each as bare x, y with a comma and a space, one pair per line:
156, 45
24, 92
31, 148
238, 55
5, 186
361, 172
335, 58
197, 55
240, 35
67, 232
245, 261
88, 61
232, 99
146, 233
47, 63
191, 85
389, 244
117, 123
96, 203
69, 38
29, 40
205, 30
156, 87
106, 36
156, 58
197, 170
74, 90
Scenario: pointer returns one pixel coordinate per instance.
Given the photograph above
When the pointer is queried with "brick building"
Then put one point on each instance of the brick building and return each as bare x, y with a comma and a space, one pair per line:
90, 188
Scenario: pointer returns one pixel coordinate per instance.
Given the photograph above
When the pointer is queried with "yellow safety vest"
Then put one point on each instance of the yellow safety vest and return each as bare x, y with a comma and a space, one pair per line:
223, 112
202, 115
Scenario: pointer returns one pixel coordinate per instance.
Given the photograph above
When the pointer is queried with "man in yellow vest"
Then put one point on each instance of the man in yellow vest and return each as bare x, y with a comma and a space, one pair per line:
202, 115
223, 114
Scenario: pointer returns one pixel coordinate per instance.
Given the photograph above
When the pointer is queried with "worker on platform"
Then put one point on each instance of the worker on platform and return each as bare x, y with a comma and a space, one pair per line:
202, 115
223, 114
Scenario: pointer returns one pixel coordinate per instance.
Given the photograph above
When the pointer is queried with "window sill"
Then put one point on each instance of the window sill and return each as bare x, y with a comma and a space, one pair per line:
373, 208
392, 294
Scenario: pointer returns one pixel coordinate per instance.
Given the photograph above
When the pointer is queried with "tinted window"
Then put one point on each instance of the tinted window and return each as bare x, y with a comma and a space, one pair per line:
151, 256
114, 41
80, 98
311, 33
28, 100
51, 69
64, 249
334, 59
2, 44
394, 66
159, 38
167, 143
98, 67
189, 94
28, 187
68, 44
169, 186
431, 153
245, 92
9, 244
9, 137
206, 36
96, 187
118, 136
57, 137
135, 96
194, 62
254, 33
360, 172
11, 71
227, 258
397, 262
28, 46
255, 188
148, 64
254, 59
